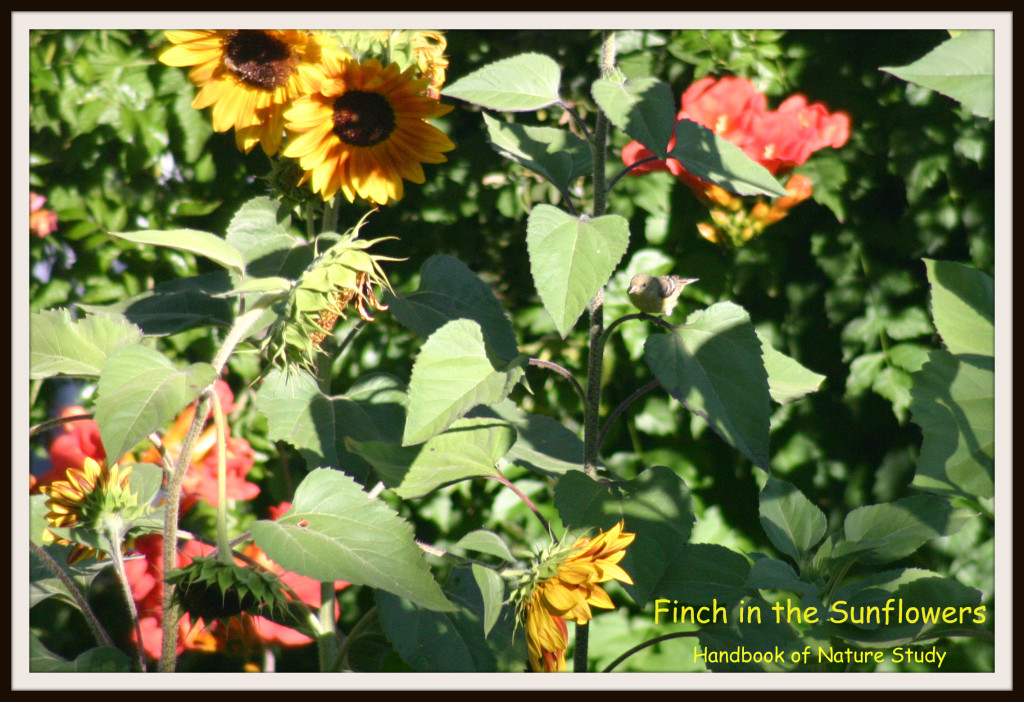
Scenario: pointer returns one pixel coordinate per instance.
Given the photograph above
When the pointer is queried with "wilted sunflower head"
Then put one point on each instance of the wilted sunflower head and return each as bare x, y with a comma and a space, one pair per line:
562, 584
90, 498
342, 276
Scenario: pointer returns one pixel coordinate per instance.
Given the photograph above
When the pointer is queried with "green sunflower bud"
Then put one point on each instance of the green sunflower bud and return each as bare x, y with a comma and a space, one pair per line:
341, 277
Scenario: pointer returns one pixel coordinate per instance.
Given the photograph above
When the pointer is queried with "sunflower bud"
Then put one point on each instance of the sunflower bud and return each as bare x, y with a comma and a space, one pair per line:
343, 276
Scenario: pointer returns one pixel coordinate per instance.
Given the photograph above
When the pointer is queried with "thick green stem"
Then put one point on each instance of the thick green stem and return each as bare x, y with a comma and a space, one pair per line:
327, 643
591, 418
242, 326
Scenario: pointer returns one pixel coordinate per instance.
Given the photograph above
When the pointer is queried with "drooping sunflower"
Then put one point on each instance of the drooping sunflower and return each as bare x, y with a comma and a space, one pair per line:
83, 499
564, 585
249, 76
363, 128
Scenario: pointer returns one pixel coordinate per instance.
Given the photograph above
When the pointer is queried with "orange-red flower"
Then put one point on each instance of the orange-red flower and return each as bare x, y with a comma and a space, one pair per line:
732, 107
780, 140
200, 481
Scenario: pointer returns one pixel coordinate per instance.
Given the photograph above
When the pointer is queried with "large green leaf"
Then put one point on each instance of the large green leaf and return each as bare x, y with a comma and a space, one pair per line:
454, 373
712, 365
450, 290
59, 345
887, 532
644, 108
469, 448
522, 83
791, 521
656, 506
571, 258
962, 68
716, 160
204, 244
963, 307
954, 404
556, 154
140, 390
334, 532
297, 412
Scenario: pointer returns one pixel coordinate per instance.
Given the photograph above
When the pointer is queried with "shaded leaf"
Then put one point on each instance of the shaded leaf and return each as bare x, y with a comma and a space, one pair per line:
644, 108
791, 521
450, 290
716, 160
556, 154
712, 365
954, 404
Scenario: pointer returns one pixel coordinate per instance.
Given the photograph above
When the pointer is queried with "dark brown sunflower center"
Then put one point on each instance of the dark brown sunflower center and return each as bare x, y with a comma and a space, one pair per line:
258, 59
363, 119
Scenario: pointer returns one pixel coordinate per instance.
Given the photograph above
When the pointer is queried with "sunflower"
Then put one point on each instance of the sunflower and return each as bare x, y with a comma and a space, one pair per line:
428, 47
83, 499
249, 76
564, 586
363, 128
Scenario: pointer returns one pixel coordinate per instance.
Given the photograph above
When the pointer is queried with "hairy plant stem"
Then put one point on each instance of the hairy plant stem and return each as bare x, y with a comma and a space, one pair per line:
114, 539
592, 409
240, 329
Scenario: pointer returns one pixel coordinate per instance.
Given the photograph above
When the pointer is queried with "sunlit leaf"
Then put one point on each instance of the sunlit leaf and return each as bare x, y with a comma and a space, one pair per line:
334, 532
520, 83
962, 68
204, 244
59, 345
469, 448
140, 391
571, 258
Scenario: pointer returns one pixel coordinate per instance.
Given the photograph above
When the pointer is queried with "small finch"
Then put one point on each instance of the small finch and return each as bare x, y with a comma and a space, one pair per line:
657, 295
